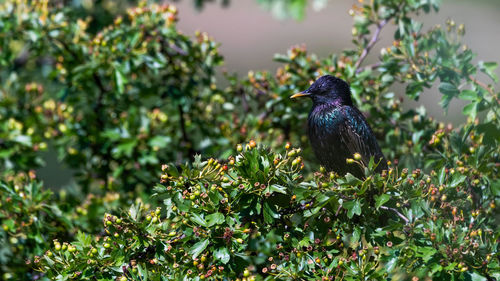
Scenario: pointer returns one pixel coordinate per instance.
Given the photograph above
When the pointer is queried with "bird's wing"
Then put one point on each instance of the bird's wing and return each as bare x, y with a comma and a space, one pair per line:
357, 137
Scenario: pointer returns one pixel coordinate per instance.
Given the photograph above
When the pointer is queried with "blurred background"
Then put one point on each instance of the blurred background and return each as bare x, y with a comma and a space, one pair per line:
251, 32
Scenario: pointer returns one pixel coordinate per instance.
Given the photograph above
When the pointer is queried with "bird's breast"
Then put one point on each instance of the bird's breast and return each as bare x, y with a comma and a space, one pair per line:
324, 133
323, 122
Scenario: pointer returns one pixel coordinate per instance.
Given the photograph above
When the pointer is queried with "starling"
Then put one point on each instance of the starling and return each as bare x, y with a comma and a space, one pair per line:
338, 130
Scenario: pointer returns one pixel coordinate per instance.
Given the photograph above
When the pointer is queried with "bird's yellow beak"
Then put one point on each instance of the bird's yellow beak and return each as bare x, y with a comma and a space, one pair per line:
301, 94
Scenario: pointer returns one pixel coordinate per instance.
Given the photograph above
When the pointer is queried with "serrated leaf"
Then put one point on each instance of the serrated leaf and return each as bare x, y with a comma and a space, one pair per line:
352, 180
222, 254
442, 175
448, 89
213, 219
270, 213
426, 253
468, 95
356, 235
491, 133
158, 188
276, 188
474, 276
489, 69
198, 248
120, 80
134, 211
457, 180
84, 239
353, 208
470, 110
198, 219
381, 200
49, 261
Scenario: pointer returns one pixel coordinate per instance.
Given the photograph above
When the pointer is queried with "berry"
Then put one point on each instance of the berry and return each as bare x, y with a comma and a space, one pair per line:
246, 273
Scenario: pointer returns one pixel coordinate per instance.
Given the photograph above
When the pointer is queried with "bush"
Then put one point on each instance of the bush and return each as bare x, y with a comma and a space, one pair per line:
32, 217
117, 98
257, 218
107, 119
29, 221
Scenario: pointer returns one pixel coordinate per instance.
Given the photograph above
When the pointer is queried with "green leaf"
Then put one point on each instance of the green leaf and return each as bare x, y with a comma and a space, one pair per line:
449, 91
125, 149
120, 80
84, 239
353, 207
471, 110
135, 211
281, 58
213, 219
426, 253
276, 188
22, 139
270, 213
468, 95
198, 248
222, 254
143, 272
380, 200
49, 261
298, 9
391, 264
457, 180
491, 133
352, 180
489, 69
442, 175
356, 235
160, 141
198, 219
474, 276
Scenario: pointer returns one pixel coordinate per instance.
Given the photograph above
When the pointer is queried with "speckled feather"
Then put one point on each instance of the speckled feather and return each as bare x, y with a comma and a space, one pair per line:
337, 129
336, 133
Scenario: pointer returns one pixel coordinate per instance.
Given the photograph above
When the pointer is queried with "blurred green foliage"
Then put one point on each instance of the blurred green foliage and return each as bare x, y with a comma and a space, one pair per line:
119, 91
119, 98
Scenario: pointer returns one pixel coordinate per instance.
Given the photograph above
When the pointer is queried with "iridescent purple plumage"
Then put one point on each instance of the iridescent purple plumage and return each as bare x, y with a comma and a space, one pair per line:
337, 129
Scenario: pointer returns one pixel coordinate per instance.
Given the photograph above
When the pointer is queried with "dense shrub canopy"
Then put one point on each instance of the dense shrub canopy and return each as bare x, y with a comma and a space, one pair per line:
117, 96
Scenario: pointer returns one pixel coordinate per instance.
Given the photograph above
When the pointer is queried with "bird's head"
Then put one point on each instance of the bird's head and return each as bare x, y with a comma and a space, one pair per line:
328, 89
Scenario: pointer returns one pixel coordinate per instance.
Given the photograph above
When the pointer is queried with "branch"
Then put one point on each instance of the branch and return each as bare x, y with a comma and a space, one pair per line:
244, 101
370, 66
370, 44
484, 86
407, 221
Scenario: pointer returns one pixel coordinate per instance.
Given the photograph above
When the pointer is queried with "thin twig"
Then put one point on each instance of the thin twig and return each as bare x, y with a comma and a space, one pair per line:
244, 101
370, 66
370, 44
484, 86
397, 212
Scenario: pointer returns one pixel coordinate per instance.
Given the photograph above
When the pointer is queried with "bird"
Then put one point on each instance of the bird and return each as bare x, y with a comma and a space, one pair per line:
338, 131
